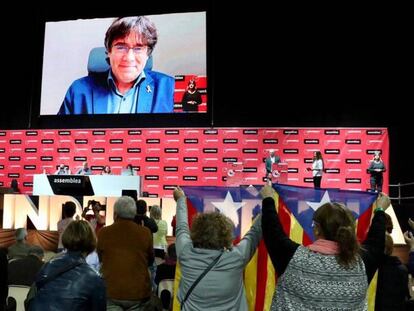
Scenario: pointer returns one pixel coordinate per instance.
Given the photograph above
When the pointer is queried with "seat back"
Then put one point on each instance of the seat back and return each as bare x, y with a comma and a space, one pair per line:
19, 292
166, 292
97, 61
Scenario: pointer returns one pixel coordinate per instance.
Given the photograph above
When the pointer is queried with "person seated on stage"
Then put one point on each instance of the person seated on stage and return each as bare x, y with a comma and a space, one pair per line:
84, 170
23, 271
62, 170
19, 249
128, 171
107, 170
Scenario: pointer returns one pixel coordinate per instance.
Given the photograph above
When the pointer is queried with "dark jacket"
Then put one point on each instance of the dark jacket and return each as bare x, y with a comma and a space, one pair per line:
23, 271
80, 288
148, 222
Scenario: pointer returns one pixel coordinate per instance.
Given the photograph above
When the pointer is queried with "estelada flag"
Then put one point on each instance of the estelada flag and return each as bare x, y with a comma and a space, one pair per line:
295, 206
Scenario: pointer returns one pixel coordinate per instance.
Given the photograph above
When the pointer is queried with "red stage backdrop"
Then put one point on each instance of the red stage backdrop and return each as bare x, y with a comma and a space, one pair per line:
194, 156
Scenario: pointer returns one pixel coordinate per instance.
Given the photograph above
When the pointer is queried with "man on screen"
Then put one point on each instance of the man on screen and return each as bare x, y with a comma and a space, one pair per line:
127, 87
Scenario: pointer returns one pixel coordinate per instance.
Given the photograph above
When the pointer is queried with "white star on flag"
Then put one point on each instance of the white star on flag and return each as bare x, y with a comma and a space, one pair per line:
316, 205
229, 208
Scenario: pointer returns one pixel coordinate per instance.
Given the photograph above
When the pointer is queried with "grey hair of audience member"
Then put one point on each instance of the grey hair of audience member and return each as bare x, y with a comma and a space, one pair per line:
125, 208
37, 251
20, 234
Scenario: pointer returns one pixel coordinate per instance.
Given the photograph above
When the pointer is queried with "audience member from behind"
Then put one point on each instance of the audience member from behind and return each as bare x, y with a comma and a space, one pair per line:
91, 213
125, 251
388, 224
376, 169
19, 249
317, 276
159, 237
23, 271
142, 219
80, 287
392, 283
210, 240
4, 290
68, 210
166, 270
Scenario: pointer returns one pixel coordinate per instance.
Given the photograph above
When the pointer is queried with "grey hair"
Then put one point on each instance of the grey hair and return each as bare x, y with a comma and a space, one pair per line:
125, 207
21, 234
155, 212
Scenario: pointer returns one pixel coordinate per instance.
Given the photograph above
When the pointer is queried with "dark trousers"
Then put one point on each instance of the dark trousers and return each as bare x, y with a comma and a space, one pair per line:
376, 183
317, 181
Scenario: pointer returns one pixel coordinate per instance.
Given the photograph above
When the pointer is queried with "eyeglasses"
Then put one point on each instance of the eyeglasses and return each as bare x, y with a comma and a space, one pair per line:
123, 49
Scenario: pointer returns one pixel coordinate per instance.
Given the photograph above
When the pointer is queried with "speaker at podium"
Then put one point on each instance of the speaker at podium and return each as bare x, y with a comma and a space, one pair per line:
279, 173
234, 174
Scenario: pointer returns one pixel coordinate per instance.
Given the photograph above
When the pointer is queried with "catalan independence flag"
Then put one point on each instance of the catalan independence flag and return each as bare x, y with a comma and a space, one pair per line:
295, 206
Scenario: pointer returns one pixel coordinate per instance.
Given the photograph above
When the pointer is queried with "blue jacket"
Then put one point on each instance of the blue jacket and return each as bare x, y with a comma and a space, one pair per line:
80, 288
89, 95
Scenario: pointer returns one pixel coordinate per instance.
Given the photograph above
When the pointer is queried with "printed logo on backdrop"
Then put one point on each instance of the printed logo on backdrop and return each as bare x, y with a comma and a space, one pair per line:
210, 150
307, 160
32, 133
29, 167
171, 150
171, 132
269, 141
190, 178
332, 170
98, 150
210, 169
290, 132
115, 159
64, 133
133, 150
134, 132
28, 184
225, 160
250, 132
249, 150
353, 161
191, 141
81, 141
13, 175
290, 151
152, 141
353, 141
98, 133
152, 159
14, 158
230, 141
152, 177
15, 141
374, 132
373, 151
332, 151
116, 141
2, 133
332, 132
249, 170
79, 159
311, 141
170, 168
2, 150
293, 170
63, 150
353, 180
30, 150
190, 159
46, 158
168, 187
1, 166
210, 132
308, 180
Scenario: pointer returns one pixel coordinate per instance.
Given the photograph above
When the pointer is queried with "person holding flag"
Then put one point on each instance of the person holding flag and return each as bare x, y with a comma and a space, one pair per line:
334, 271
211, 266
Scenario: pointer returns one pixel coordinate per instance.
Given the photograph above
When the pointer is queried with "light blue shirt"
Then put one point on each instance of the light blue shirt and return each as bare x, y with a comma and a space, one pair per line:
123, 103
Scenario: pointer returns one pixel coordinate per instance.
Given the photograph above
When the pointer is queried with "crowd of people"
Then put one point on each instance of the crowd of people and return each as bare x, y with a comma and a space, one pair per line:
332, 273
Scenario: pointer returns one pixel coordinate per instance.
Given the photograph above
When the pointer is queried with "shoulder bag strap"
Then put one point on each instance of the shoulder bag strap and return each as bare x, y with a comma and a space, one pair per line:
199, 278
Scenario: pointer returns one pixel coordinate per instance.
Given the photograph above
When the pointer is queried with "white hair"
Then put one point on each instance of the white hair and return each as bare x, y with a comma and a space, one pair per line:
125, 207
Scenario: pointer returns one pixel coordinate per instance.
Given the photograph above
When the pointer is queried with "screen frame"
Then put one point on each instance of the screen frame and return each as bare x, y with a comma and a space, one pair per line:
121, 120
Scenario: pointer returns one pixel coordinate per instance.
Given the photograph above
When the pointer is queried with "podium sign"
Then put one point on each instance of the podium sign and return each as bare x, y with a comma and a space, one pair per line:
279, 173
75, 185
234, 174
